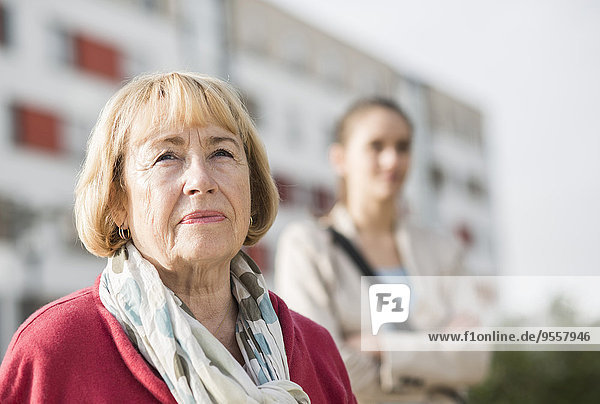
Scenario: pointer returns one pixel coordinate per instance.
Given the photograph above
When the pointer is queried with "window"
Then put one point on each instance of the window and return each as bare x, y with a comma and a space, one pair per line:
4, 29
29, 305
97, 57
161, 6
37, 129
15, 219
476, 189
152, 6
436, 176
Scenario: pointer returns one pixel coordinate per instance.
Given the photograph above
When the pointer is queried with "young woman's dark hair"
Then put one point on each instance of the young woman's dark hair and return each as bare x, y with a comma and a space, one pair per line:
362, 105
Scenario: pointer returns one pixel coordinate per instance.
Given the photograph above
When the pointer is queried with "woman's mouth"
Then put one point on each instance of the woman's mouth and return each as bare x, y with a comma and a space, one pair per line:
203, 216
390, 177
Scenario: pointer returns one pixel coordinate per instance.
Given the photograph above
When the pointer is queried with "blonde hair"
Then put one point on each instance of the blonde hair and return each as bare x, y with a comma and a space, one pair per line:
151, 102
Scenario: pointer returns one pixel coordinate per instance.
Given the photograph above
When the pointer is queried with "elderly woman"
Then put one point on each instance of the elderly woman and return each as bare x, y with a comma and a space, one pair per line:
175, 181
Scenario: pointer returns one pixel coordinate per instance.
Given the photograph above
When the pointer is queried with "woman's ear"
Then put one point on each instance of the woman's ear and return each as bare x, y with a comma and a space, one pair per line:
119, 216
337, 158
118, 211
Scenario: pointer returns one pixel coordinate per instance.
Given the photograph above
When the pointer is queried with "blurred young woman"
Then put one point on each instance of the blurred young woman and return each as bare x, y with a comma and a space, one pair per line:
319, 264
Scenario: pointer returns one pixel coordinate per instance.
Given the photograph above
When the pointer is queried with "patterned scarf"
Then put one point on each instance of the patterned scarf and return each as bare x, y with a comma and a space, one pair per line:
193, 363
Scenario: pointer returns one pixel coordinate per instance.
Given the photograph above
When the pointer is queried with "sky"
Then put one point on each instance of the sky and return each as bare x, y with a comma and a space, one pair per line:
533, 67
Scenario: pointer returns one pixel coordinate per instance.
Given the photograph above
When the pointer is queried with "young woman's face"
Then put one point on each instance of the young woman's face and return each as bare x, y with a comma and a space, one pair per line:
188, 195
376, 155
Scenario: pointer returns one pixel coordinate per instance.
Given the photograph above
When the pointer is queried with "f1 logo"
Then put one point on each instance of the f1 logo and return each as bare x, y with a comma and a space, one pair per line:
389, 303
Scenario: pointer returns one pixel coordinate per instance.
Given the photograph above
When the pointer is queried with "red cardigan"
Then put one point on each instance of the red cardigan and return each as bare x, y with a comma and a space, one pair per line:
74, 350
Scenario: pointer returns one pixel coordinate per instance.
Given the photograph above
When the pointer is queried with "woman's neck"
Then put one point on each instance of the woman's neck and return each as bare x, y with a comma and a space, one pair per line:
374, 221
205, 291
372, 216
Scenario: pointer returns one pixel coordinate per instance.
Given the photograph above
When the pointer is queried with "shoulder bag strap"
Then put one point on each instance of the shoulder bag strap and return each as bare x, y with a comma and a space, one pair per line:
340, 240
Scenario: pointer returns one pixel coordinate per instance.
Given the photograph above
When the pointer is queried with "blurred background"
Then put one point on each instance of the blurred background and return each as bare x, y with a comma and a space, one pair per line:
504, 96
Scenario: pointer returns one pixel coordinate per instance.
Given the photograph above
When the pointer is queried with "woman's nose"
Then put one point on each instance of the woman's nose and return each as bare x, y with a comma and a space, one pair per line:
198, 178
389, 158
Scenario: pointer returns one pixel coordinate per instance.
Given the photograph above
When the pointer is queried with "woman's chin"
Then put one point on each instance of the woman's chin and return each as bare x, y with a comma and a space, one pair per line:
387, 193
206, 252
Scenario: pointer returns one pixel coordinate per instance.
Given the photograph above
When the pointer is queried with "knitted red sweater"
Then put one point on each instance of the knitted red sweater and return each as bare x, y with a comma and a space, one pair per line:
74, 350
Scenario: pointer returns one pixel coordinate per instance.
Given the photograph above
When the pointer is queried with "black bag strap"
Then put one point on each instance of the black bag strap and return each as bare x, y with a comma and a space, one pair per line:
341, 240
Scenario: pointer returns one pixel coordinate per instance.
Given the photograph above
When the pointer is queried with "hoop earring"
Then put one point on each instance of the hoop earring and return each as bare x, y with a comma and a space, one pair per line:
251, 221
125, 234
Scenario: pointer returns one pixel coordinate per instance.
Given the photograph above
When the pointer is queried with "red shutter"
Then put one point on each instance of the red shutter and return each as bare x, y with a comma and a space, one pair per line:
285, 188
322, 200
260, 254
465, 234
96, 57
37, 129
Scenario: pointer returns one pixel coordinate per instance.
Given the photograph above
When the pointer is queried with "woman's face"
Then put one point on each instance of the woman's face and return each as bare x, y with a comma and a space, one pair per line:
375, 159
188, 195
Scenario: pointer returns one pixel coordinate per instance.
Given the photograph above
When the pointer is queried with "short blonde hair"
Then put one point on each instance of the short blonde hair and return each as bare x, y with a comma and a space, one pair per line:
163, 101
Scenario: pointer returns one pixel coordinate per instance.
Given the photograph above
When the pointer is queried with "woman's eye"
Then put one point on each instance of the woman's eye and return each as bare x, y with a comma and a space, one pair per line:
165, 156
222, 153
376, 146
403, 146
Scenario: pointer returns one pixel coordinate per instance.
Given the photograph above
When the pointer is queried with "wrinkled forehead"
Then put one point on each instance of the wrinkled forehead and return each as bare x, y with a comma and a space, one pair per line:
162, 114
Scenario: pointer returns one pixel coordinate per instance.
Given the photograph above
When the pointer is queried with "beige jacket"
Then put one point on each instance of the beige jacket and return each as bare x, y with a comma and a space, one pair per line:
320, 281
